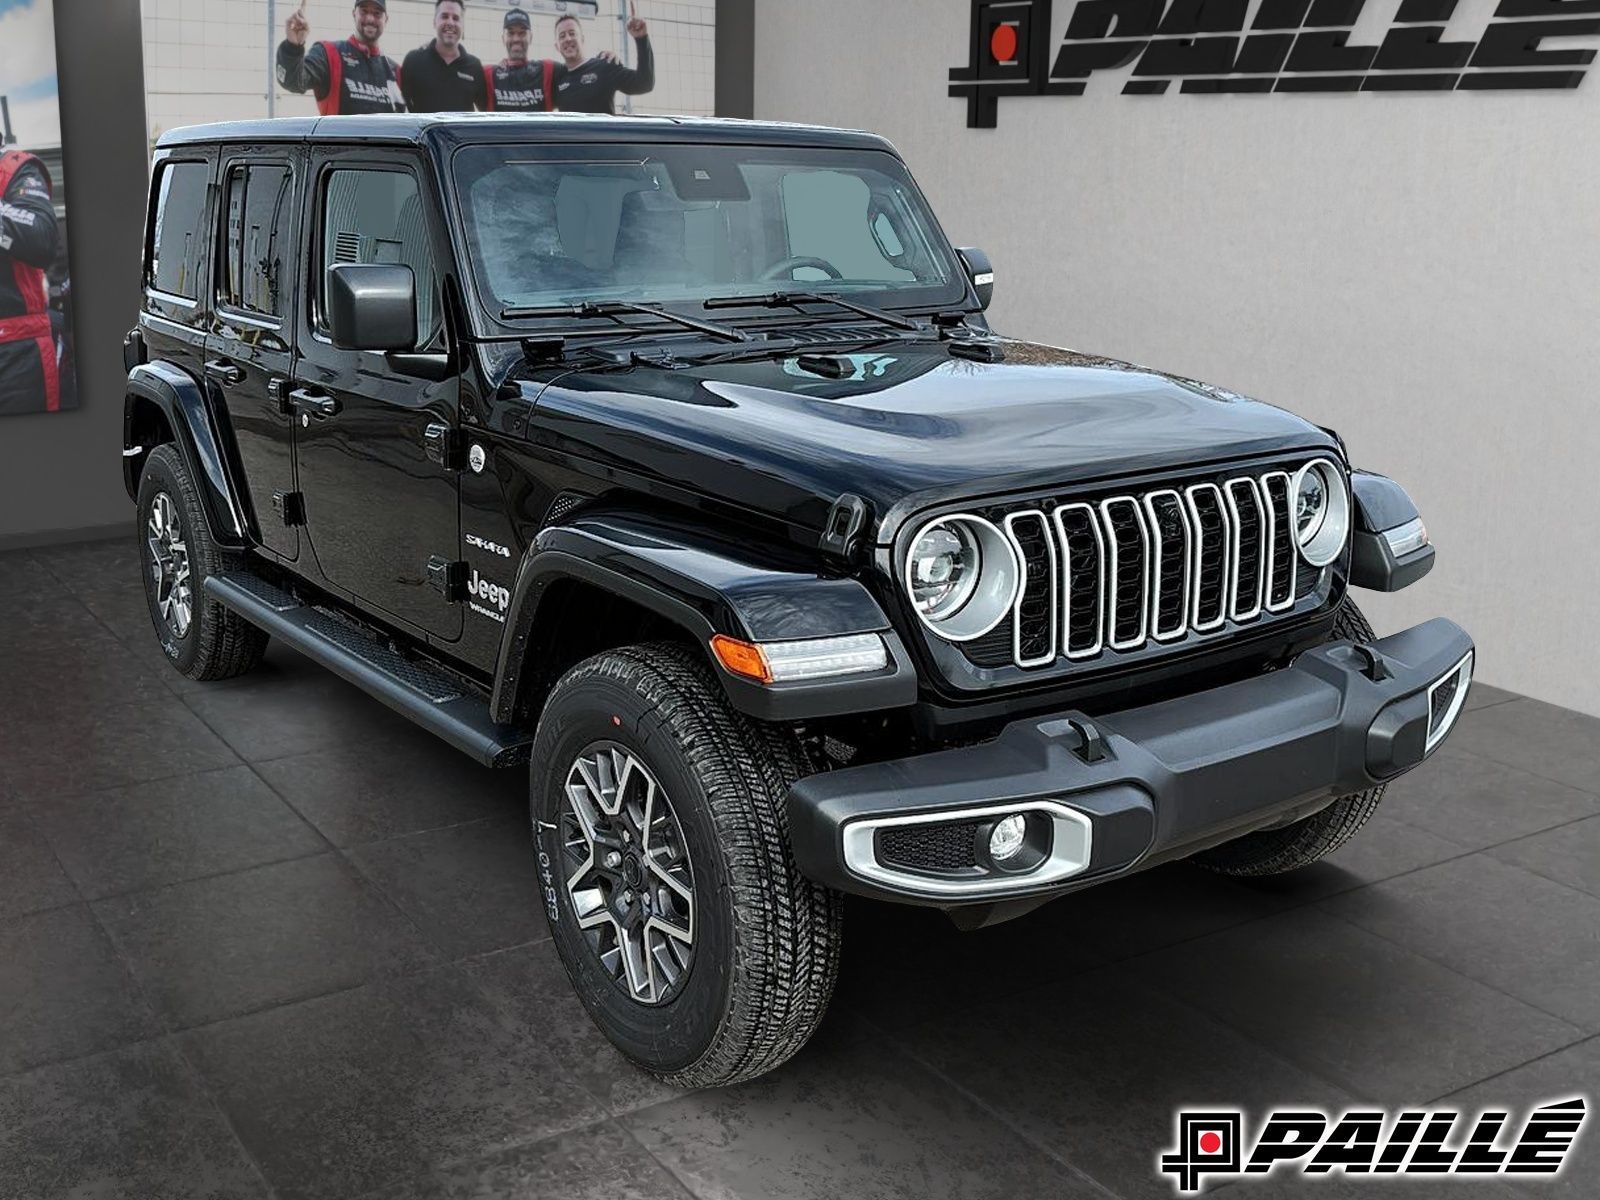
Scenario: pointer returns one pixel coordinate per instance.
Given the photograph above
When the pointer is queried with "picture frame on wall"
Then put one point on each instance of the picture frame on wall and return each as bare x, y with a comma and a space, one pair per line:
37, 372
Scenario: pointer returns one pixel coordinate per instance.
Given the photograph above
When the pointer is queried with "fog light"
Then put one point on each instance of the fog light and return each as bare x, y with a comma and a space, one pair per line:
1008, 837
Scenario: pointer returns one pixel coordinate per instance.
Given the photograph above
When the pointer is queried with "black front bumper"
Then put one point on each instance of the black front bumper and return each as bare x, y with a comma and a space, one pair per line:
1130, 789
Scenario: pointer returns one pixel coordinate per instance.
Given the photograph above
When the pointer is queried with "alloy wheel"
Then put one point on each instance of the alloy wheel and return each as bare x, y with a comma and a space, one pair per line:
627, 872
169, 564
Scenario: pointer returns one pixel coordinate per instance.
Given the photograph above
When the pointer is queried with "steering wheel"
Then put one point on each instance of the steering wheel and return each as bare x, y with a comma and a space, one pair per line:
785, 268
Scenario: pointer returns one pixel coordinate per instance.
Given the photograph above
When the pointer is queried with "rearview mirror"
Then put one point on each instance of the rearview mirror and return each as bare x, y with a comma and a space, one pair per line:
372, 306
979, 271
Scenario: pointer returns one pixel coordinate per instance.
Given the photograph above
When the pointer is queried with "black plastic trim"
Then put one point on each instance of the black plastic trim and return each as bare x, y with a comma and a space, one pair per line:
1179, 775
182, 400
696, 581
1374, 566
1380, 504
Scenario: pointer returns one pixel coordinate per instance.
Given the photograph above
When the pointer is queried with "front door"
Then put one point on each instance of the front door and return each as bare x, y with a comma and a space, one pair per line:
378, 506
248, 348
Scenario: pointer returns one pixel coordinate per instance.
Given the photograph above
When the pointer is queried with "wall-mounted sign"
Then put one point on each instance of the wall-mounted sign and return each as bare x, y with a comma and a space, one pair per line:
1289, 46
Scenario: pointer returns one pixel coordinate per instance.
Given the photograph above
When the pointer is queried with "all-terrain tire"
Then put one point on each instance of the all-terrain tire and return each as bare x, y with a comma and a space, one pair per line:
766, 939
216, 643
1274, 851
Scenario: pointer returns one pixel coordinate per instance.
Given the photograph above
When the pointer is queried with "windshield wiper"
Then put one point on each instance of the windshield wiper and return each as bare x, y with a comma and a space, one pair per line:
590, 310
796, 299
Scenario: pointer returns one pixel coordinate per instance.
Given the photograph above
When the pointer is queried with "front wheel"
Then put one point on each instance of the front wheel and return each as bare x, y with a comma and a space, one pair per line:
674, 901
1275, 851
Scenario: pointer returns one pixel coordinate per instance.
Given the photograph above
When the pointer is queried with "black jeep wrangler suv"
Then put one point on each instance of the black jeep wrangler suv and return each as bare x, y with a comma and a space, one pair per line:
675, 462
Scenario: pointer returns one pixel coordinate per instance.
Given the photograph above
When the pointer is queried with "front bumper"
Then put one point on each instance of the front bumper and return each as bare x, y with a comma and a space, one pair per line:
1130, 789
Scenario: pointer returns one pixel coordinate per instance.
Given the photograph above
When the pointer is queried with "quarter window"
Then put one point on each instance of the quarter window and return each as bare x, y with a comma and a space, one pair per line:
178, 234
256, 239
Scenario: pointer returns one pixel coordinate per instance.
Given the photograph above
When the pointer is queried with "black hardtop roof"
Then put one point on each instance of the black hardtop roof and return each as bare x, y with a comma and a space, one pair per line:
418, 129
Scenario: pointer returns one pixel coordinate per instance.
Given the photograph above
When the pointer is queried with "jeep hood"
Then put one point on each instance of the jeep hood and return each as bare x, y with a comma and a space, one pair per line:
908, 425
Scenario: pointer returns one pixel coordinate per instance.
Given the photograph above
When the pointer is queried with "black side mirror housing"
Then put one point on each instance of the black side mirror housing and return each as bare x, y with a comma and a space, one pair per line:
372, 306
979, 271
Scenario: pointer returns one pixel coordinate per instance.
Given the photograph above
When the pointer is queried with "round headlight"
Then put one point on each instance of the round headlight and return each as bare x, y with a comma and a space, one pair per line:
945, 562
962, 575
1321, 512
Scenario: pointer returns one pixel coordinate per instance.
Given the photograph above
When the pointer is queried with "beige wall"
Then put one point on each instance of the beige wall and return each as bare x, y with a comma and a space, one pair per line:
206, 60
1420, 272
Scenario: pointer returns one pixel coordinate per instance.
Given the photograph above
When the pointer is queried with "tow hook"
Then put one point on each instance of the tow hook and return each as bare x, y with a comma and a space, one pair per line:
1374, 668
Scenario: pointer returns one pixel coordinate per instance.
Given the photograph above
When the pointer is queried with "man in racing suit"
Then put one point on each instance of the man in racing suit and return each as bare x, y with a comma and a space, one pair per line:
517, 85
30, 360
351, 76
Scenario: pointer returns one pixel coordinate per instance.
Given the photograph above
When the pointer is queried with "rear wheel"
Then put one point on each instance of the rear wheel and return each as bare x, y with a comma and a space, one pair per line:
675, 904
1274, 851
201, 638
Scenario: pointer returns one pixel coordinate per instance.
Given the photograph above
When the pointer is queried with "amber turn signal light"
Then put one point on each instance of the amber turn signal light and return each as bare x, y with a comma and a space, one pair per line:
742, 658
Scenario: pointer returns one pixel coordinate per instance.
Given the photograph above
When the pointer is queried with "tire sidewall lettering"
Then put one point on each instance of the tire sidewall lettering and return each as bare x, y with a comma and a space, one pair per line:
701, 1001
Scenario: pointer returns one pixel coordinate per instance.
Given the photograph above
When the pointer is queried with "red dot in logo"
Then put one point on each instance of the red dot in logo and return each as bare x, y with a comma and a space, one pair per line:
1003, 43
1210, 1143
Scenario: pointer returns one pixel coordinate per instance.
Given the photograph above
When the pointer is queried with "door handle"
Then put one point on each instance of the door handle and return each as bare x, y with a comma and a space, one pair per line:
225, 372
317, 404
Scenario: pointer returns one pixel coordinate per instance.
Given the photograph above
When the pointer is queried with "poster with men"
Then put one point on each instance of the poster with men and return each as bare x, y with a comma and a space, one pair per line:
547, 66
36, 363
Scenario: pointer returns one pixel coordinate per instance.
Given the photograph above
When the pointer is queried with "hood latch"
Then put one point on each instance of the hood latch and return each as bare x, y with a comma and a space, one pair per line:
846, 519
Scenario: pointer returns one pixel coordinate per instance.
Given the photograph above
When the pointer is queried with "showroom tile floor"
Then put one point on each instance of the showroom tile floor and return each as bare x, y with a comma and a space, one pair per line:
262, 938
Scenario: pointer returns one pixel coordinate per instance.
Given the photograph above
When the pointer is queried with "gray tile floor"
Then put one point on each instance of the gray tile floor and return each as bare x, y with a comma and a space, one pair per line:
263, 938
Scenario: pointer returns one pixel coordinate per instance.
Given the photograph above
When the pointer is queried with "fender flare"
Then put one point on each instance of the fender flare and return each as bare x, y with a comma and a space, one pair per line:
1381, 504
199, 441
702, 584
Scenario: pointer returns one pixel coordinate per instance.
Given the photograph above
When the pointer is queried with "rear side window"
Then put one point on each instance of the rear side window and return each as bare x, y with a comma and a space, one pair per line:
178, 233
255, 239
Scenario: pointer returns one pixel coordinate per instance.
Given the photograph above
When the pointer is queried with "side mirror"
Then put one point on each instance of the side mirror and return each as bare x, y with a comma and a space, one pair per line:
372, 306
979, 271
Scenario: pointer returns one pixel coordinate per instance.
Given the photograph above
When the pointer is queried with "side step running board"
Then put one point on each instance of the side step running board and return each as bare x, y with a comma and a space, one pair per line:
430, 698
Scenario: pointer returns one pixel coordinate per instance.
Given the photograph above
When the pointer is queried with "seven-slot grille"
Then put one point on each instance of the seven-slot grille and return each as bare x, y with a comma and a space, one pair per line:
1129, 570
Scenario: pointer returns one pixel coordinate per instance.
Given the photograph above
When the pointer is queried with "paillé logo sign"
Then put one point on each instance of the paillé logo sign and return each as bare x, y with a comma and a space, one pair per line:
1211, 1144
1289, 46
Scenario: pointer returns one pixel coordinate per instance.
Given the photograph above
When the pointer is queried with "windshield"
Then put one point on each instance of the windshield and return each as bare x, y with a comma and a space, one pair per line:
552, 226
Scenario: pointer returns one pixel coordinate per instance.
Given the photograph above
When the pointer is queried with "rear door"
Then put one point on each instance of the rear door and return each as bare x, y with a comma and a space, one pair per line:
381, 501
249, 349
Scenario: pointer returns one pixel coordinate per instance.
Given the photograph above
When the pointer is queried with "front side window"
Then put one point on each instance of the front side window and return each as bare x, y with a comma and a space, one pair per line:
376, 216
553, 226
256, 239
178, 231
831, 217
